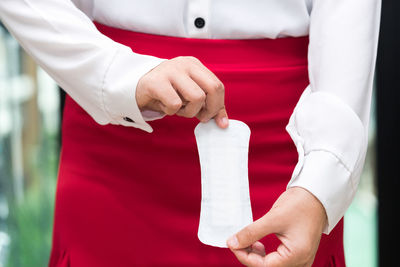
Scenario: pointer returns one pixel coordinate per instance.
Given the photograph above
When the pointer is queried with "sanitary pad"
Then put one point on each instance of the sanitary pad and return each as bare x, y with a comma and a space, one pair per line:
225, 203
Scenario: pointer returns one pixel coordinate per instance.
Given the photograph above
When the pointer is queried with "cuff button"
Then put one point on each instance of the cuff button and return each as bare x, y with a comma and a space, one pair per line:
128, 119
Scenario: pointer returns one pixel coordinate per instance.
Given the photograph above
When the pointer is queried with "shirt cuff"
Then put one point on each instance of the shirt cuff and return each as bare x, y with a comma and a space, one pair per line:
118, 92
331, 143
324, 176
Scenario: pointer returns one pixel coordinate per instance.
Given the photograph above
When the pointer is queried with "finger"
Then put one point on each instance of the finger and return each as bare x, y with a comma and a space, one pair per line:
169, 99
248, 259
281, 257
154, 105
258, 248
222, 119
213, 88
191, 93
253, 232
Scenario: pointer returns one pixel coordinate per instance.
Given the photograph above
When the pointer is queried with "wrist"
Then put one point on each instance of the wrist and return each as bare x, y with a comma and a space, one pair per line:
311, 206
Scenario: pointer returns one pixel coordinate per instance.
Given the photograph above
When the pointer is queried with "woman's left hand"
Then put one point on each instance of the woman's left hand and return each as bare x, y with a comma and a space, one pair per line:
297, 218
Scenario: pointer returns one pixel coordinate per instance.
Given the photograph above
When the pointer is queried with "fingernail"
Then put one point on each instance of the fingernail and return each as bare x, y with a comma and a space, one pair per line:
233, 242
224, 121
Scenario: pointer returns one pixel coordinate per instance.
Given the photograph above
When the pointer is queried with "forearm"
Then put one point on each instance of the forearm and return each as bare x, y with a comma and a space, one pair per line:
330, 123
92, 68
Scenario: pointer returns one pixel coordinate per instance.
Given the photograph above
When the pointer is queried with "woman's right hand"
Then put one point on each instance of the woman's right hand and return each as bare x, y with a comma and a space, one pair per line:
185, 87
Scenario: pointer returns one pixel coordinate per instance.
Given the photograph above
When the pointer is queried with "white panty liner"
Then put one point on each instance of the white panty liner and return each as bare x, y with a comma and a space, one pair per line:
225, 203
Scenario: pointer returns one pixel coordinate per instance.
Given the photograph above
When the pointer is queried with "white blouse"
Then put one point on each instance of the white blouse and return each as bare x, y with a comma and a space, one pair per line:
329, 125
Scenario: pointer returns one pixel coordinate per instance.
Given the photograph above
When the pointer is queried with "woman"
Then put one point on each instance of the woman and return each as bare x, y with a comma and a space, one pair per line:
126, 197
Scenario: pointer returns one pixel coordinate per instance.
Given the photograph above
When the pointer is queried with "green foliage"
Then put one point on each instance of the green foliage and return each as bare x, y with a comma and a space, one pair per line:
30, 222
30, 229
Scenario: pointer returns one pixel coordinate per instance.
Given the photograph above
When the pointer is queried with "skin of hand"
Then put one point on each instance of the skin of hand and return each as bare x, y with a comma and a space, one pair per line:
297, 218
185, 87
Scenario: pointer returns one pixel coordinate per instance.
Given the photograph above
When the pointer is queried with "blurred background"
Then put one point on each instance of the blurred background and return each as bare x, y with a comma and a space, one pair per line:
29, 146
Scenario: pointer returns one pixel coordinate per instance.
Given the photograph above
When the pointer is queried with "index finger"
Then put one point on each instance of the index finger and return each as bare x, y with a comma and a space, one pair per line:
214, 89
248, 258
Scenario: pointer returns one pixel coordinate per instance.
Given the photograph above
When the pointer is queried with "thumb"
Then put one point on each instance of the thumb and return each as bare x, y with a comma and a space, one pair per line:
222, 119
252, 233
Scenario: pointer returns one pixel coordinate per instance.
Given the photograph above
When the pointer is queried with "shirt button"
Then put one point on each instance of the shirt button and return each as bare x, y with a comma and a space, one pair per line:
199, 22
128, 119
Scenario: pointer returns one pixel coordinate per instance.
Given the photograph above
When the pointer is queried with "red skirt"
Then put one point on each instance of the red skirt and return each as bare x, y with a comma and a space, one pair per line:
129, 198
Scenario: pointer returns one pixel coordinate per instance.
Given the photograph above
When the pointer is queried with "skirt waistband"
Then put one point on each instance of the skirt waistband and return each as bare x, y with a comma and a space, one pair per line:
248, 53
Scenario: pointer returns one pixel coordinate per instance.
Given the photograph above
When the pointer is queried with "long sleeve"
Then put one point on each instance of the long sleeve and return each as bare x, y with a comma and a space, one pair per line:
329, 124
99, 74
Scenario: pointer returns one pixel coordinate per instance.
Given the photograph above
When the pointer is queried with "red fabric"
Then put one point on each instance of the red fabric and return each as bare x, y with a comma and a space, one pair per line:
129, 198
